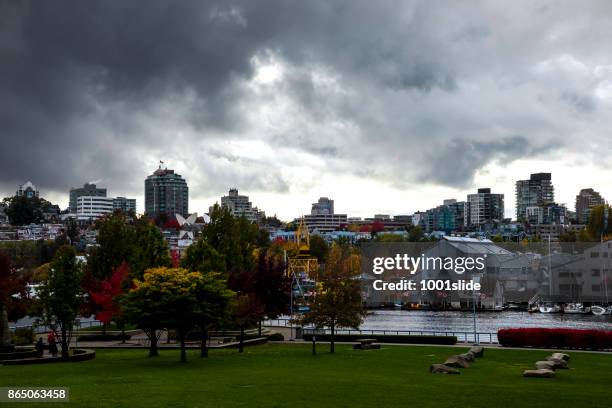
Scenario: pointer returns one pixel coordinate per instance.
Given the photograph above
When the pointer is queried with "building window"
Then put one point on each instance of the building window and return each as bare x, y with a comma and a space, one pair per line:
594, 254
596, 288
595, 272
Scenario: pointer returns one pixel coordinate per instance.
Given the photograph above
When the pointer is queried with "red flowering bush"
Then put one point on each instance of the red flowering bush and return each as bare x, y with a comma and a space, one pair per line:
556, 338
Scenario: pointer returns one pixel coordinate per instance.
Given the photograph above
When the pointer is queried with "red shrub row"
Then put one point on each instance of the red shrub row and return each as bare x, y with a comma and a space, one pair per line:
556, 338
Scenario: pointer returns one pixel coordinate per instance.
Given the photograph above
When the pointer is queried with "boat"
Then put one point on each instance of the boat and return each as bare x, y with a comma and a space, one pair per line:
576, 308
549, 308
601, 310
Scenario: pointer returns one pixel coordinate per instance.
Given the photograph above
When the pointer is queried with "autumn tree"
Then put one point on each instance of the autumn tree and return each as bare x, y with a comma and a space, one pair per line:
175, 298
12, 291
247, 311
600, 222
105, 297
60, 296
338, 301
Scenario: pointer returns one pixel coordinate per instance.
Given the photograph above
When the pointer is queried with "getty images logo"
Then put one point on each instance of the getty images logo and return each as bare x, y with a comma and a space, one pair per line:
411, 264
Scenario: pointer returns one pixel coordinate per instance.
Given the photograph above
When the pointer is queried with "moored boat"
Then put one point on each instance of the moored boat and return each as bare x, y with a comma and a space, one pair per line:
576, 308
601, 310
549, 308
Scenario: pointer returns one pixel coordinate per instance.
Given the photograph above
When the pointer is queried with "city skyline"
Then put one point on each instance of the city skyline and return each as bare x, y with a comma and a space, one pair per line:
509, 211
387, 108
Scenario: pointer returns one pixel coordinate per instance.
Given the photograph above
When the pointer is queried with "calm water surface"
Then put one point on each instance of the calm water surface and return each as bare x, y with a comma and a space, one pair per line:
486, 321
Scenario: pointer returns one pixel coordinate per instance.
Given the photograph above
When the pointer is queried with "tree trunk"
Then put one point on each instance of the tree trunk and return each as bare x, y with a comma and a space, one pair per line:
332, 343
182, 340
103, 329
203, 343
259, 332
153, 344
123, 336
241, 343
64, 339
5, 336
314, 345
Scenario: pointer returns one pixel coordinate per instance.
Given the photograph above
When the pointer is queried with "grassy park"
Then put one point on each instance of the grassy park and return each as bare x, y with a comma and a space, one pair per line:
288, 375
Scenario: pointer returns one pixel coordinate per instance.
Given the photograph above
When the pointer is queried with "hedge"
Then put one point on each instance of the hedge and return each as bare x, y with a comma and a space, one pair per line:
556, 338
445, 340
103, 337
22, 336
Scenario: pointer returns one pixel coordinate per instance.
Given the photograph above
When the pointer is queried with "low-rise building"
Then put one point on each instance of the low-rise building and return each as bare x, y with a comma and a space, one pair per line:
91, 208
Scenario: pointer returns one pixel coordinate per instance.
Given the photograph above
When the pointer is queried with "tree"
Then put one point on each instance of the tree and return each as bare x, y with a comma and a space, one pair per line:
23, 210
338, 302
497, 238
106, 295
600, 222
214, 300
318, 248
166, 297
247, 311
12, 284
61, 296
233, 238
271, 286
115, 245
415, 234
150, 248
72, 231
201, 256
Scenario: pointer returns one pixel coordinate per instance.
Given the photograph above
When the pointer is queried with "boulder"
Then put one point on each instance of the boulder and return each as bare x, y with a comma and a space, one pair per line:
542, 373
478, 351
442, 369
560, 356
456, 361
558, 364
545, 365
469, 356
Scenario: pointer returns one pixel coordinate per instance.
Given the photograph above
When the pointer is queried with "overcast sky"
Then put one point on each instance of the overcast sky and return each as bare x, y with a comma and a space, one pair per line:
387, 107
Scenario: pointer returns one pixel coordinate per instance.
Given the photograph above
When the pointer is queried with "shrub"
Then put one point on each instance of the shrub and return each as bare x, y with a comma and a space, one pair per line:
276, 337
556, 338
22, 336
404, 339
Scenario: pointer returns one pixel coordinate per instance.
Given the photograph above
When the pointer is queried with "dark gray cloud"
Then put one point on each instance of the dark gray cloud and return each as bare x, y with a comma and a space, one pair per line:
403, 92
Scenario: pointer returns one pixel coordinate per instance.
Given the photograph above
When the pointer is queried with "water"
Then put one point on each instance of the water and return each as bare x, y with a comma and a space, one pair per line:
486, 322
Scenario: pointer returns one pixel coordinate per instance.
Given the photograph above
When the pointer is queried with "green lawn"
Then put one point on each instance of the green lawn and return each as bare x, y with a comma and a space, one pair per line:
288, 376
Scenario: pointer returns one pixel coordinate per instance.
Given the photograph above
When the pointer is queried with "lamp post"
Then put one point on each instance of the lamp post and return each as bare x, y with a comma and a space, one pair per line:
475, 279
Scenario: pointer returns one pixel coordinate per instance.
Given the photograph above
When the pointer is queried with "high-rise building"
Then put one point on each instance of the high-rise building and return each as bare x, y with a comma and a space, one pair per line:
483, 207
549, 213
535, 192
89, 208
324, 206
240, 206
27, 190
89, 190
124, 205
166, 193
440, 218
585, 200
322, 217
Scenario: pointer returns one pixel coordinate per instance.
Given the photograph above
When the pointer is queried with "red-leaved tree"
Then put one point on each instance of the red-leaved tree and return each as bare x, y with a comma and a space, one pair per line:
11, 284
105, 295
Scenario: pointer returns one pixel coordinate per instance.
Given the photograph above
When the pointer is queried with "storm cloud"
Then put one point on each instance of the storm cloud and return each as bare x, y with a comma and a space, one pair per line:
268, 96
